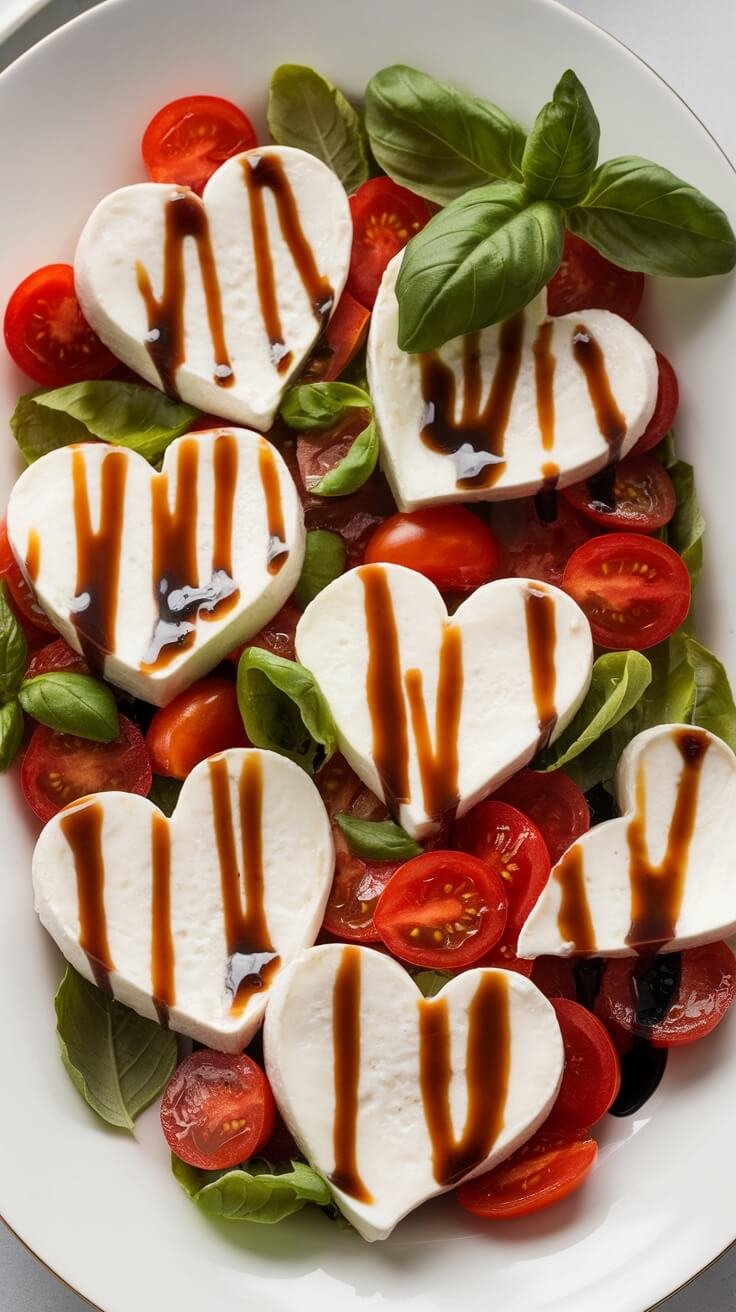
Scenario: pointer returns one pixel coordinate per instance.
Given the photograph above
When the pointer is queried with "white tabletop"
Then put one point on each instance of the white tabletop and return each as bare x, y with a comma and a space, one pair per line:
691, 46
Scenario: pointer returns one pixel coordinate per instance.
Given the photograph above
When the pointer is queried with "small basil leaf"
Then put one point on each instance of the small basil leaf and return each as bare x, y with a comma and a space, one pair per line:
72, 703
324, 560
164, 793
307, 111
38, 431
354, 469
561, 150
686, 528
642, 217
254, 1192
13, 648
11, 732
284, 710
480, 260
435, 139
125, 414
713, 707
118, 1061
618, 681
314, 406
431, 982
377, 840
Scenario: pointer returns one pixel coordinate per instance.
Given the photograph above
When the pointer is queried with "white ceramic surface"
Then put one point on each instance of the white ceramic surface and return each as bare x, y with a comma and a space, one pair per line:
99, 1208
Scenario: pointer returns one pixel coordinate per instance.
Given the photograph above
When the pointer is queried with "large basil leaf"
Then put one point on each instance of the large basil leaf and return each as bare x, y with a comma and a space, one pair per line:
125, 414
713, 707
313, 406
13, 648
561, 151
618, 681
11, 732
284, 710
117, 1060
255, 1192
354, 469
435, 139
377, 840
72, 703
324, 560
686, 528
641, 216
478, 261
307, 111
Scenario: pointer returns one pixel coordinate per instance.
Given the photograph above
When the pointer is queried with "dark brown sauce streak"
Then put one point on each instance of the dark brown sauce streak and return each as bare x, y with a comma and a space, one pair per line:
574, 920
162, 939
259, 173
225, 475
439, 766
545, 502
601, 488
346, 1047
481, 429
487, 1066
33, 555
384, 690
541, 639
94, 608
544, 374
278, 550
82, 829
185, 217
590, 358
252, 960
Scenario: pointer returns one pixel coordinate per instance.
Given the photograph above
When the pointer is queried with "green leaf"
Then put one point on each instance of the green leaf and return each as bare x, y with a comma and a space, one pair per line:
561, 151
713, 707
435, 139
307, 111
72, 703
377, 840
431, 982
324, 560
314, 406
125, 414
11, 732
165, 793
618, 681
38, 431
284, 710
642, 217
480, 260
686, 528
13, 648
256, 1192
354, 469
118, 1061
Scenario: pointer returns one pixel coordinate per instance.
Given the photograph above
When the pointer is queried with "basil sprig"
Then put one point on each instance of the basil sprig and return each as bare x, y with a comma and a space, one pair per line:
377, 840
618, 681
307, 111
283, 709
13, 658
315, 407
561, 151
71, 703
324, 560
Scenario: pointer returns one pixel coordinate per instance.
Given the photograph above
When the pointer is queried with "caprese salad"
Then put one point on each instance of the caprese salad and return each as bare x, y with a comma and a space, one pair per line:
347, 649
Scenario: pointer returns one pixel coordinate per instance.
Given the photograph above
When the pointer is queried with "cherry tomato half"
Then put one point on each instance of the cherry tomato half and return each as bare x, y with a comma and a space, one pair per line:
705, 992
586, 280
534, 549
187, 140
554, 977
357, 883
447, 544
277, 636
642, 497
385, 217
56, 656
21, 593
513, 847
443, 909
592, 1074
200, 722
46, 333
340, 343
217, 1110
58, 768
555, 804
634, 590
544, 1170
668, 399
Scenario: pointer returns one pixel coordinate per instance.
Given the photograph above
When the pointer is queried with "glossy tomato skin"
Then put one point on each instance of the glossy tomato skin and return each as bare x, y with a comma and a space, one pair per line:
555, 804
447, 544
217, 1110
21, 593
188, 140
385, 217
357, 883
705, 992
642, 497
342, 339
634, 590
202, 721
58, 768
546, 1169
277, 636
592, 1075
46, 333
668, 400
513, 847
532, 548
318, 453
56, 656
554, 977
587, 280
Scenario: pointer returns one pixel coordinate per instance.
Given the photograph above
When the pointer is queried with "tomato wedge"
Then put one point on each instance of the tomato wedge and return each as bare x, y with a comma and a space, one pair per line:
200, 722
555, 804
447, 544
640, 496
385, 218
187, 140
634, 590
58, 768
544, 1170
56, 656
630, 996
340, 343
442, 909
217, 1110
586, 280
357, 883
534, 548
668, 399
46, 333
513, 847
592, 1074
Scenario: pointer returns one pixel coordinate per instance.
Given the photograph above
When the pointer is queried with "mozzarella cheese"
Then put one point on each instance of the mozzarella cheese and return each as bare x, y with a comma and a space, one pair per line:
156, 577
156, 266
433, 713
659, 877
171, 915
345, 1039
501, 413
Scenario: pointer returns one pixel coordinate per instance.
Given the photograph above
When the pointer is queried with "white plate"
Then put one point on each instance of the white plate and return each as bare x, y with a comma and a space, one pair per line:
101, 1208
15, 12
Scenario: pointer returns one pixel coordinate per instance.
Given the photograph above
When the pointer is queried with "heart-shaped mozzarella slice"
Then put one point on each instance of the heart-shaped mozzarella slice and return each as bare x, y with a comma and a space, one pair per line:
156, 577
396, 1098
220, 299
191, 919
434, 712
659, 878
501, 413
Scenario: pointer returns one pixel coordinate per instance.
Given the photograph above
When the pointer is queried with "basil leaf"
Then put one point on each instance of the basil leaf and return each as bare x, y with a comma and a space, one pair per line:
377, 840
284, 710
643, 217
618, 681
117, 1060
324, 560
307, 111
11, 732
713, 707
164, 793
354, 469
72, 703
255, 1192
314, 406
435, 139
561, 150
686, 528
125, 414
13, 648
431, 982
480, 260
38, 431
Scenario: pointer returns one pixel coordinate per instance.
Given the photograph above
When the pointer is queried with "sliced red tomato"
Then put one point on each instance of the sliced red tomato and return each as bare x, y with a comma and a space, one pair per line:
503, 954
555, 804
534, 549
277, 636
641, 496
668, 399
634, 590
513, 847
706, 989
58, 768
340, 342
357, 883
56, 656
46, 333
187, 140
592, 1074
21, 593
442, 909
554, 977
586, 280
200, 722
544, 1170
217, 1110
385, 217
447, 544
318, 453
